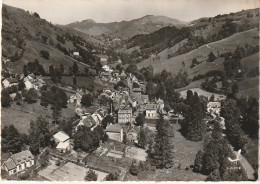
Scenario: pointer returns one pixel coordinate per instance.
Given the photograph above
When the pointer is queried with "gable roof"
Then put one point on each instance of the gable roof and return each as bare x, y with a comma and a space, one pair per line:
134, 129
113, 128
151, 107
214, 104
63, 145
125, 111
10, 164
21, 157
61, 136
89, 121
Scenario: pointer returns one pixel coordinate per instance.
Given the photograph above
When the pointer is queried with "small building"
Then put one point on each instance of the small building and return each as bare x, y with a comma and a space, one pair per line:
125, 115
88, 121
8, 82
160, 104
115, 132
132, 134
145, 99
76, 53
214, 107
63, 141
19, 162
151, 111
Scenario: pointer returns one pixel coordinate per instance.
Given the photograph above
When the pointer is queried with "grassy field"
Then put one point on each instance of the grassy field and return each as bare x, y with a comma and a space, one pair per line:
250, 62
250, 87
202, 93
184, 155
81, 81
21, 115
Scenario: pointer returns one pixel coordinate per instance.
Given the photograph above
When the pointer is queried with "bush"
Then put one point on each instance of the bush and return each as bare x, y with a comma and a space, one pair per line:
36, 15
45, 54
57, 163
24, 176
91, 176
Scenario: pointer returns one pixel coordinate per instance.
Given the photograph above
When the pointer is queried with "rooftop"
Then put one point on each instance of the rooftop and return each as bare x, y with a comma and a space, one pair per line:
113, 128
22, 157
61, 136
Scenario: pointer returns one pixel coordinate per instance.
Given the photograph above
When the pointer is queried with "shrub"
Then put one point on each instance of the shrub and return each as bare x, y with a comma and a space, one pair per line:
45, 54
24, 176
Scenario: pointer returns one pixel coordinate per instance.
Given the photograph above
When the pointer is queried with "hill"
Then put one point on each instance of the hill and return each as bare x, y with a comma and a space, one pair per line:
25, 35
126, 29
175, 64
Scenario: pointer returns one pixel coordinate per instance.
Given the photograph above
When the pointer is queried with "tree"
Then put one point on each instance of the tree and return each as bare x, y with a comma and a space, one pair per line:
140, 119
150, 90
36, 15
74, 80
25, 71
86, 71
194, 127
91, 176
11, 140
107, 120
112, 177
21, 85
211, 57
39, 134
5, 98
75, 68
198, 163
30, 96
162, 157
133, 168
45, 54
87, 100
235, 89
100, 133
136, 85
214, 176
67, 126
212, 98
250, 124
56, 112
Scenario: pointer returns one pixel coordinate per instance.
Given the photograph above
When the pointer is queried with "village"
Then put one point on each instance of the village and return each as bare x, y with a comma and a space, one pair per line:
125, 111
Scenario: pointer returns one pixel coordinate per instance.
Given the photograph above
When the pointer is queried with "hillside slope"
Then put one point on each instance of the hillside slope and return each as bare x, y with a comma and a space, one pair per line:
175, 64
24, 35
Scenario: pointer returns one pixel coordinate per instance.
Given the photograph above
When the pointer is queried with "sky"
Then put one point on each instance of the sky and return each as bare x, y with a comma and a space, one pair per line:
103, 11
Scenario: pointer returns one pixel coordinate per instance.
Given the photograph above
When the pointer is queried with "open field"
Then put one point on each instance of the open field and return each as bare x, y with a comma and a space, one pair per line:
21, 116
250, 62
250, 87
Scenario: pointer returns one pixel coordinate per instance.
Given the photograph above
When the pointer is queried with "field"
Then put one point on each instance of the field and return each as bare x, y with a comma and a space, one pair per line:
184, 155
252, 152
21, 116
250, 87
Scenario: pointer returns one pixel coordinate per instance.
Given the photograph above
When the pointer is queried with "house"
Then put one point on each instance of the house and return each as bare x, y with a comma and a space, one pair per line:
19, 162
132, 134
151, 111
115, 132
136, 153
106, 68
145, 99
89, 122
8, 82
76, 53
76, 98
160, 104
31, 81
125, 115
63, 141
12, 96
214, 107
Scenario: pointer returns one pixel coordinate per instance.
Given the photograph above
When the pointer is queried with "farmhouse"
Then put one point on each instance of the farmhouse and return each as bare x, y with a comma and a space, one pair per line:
18, 162
115, 132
